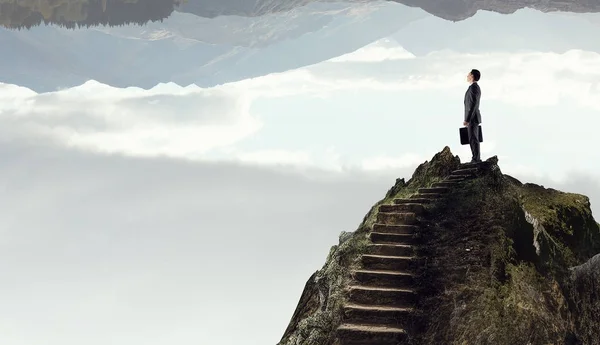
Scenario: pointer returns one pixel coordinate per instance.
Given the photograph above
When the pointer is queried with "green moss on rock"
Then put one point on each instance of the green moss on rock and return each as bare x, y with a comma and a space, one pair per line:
568, 229
497, 251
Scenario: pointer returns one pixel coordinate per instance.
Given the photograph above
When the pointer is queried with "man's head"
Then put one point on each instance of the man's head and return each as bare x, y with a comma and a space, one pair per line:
474, 75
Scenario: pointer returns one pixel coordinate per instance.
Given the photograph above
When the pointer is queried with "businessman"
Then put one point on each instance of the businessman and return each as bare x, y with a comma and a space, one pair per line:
472, 114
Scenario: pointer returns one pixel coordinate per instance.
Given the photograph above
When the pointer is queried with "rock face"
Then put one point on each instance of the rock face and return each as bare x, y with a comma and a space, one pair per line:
585, 296
459, 254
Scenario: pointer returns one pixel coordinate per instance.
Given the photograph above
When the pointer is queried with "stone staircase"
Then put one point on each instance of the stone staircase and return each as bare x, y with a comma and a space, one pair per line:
382, 295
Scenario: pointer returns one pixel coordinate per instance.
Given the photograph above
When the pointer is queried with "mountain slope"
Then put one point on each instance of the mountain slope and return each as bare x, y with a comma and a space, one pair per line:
477, 257
83, 13
454, 10
525, 30
457, 10
186, 49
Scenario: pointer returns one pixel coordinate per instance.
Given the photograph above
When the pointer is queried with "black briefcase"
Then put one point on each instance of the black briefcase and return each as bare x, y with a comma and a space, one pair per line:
464, 135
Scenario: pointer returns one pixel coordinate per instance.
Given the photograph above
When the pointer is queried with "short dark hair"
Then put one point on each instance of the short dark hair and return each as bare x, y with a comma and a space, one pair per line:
476, 74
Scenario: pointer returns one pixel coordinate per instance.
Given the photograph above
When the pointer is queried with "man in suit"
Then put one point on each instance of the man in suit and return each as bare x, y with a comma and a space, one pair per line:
472, 114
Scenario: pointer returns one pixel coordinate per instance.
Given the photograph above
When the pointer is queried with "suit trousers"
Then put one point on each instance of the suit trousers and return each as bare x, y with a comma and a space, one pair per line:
473, 130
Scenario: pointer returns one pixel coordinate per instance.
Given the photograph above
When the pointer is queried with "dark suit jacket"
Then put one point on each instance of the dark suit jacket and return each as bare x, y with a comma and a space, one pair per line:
472, 97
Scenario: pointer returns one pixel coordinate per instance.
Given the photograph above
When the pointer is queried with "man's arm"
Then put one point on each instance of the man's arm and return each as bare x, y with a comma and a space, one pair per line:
472, 97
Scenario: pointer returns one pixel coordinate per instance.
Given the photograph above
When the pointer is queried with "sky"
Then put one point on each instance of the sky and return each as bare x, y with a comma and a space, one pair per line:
194, 215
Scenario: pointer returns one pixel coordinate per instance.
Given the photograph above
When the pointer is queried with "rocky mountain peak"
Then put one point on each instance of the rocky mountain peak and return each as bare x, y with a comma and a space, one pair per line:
461, 253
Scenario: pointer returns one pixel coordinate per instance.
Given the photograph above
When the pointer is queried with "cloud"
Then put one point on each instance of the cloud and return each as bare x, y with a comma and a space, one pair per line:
380, 50
302, 161
528, 79
528, 171
154, 250
203, 123
167, 120
276, 157
384, 162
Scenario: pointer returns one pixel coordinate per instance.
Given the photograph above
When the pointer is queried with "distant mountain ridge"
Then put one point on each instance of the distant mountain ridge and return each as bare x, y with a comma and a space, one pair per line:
454, 10
86, 13
186, 49
457, 10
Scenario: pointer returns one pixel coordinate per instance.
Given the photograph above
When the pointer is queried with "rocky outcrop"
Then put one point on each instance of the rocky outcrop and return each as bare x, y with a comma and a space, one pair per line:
459, 254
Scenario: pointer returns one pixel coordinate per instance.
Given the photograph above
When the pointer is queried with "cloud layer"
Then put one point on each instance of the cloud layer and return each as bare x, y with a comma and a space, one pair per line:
158, 251
167, 120
222, 122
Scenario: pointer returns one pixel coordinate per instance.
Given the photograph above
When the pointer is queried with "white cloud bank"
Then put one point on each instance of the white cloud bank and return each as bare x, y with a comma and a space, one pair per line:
525, 79
392, 163
166, 120
275, 157
380, 50
195, 123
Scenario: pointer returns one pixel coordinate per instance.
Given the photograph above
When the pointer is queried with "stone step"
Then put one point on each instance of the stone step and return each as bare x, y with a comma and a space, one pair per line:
391, 249
411, 201
387, 262
384, 278
457, 181
431, 196
416, 208
446, 184
386, 296
377, 315
465, 171
464, 176
453, 178
439, 190
384, 238
397, 218
470, 165
356, 334
395, 229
